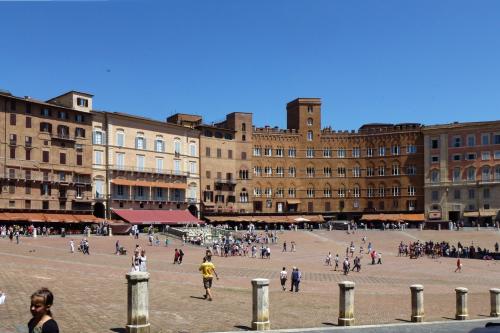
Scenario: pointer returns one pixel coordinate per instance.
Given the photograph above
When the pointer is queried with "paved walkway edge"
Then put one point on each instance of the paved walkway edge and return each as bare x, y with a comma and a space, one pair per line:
481, 322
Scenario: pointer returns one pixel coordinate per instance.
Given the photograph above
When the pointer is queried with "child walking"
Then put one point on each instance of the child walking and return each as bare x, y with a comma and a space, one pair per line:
42, 321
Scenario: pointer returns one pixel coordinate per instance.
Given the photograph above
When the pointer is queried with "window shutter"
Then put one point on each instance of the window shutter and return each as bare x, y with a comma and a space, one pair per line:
136, 143
144, 143
103, 135
94, 138
50, 128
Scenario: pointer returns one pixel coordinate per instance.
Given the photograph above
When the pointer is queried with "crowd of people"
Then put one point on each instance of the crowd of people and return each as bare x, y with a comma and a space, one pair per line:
434, 249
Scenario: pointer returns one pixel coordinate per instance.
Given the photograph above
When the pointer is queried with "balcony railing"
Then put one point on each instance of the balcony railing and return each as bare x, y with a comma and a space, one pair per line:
229, 181
49, 178
62, 136
151, 170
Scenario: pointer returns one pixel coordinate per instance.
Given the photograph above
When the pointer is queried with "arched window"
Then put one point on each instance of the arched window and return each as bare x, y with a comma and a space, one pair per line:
177, 146
486, 174
327, 191
435, 176
192, 191
309, 135
243, 127
159, 144
309, 121
192, 149
356, 191
243, 195
140, 141
471, 173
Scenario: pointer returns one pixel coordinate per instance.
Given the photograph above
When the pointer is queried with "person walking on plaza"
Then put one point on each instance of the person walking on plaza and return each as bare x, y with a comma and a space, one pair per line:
176, 256
379, 258
283, 278
117, 247
284, 247
459, 266
17, 237
346, 266
72, 246
294, 246
136, 262
207, 270
496, 247
142, 262
42, 322
328, 260
336, 261
296, 276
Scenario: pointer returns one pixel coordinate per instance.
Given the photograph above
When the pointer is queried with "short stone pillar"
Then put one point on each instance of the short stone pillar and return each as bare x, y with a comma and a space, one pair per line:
366, 227
439, 226
421, 226
137, 302
88, 232
462, 312
110, 231
495, 302
34, 233
260, 305
417, 303
346, 303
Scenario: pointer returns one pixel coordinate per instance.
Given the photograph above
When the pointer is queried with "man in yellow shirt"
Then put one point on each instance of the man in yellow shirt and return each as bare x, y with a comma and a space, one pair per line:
207, 270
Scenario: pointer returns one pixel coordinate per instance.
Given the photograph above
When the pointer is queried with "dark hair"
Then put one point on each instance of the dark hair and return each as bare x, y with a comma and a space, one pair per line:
48, 297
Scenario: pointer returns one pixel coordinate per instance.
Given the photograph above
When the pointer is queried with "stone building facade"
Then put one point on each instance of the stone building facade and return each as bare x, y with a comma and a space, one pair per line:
462, 172
46, 153
141, 163
307, 168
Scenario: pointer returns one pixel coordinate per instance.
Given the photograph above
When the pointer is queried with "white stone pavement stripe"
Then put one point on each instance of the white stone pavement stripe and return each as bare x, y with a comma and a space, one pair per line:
425, 327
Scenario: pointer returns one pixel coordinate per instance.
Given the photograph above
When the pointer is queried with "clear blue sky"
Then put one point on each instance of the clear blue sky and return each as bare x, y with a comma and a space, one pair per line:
422, 61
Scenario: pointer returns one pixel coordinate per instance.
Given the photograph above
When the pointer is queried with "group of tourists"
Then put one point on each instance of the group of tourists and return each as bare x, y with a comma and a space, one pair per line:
444, 249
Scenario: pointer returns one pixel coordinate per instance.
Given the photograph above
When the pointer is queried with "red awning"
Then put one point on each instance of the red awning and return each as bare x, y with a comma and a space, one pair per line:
157, 216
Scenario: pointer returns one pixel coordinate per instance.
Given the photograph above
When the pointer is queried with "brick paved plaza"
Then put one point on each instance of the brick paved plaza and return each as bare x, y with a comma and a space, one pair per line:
90, 291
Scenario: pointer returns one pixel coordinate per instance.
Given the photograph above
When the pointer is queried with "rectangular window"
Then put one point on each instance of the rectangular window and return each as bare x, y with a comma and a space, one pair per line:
435, 195
497, 155
219, 153
395, 150
243, 155
456, 174
62, 158
120, 139
456, 195
13, 119
341, 153
485, 139
279, 152
192, 167
472, 193
485, 155
471, 140
369, 152
159, 145
177, 167
83, 102
268, 151
159, 165
496, 139
486, 193
411, 149
79, 159
207, 151
230, 154
327, 152
62, 115
99, 188
457, 157
28, 154
28, 122
140, 162
13, 105
411, 191
310, 152
356, 152
45, 156
12, 152
457, 141
471, 156
292, 152
435, 159
98, 157
79, 118
434, 143
256, 151
369, 172
140, 143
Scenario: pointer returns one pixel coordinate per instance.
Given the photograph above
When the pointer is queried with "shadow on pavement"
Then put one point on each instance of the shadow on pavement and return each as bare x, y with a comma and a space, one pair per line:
243, 327
403, 320
118, 330
329, 324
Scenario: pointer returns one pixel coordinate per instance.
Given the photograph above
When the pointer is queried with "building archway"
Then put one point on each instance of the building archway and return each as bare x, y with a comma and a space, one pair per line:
193, 210
99, 210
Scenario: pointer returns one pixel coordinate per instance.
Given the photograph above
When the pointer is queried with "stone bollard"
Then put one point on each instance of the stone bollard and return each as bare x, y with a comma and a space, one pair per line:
439, 226
462, 313
88, 232
137, 302
417, 303
346, 303
34, 232
260, 305
495, 302
421, 226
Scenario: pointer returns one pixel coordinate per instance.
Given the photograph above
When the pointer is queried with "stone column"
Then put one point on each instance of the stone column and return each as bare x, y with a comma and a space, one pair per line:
462, 313
346, 303
34, 233
110, 231
495, 302
88, 232
439, 226
137, 302
421, 226
260, 305
417, 303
